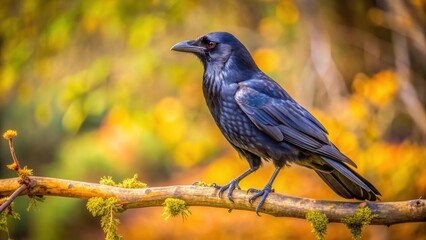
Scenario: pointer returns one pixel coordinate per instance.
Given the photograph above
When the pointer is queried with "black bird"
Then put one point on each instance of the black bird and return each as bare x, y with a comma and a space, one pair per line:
261, 121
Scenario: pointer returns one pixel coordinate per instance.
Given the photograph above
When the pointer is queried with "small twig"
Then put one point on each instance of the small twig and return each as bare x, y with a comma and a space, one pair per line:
12, 197
12, 152
23, 174
8, 135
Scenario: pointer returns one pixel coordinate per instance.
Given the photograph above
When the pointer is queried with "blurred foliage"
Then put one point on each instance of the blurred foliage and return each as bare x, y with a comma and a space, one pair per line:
93, 90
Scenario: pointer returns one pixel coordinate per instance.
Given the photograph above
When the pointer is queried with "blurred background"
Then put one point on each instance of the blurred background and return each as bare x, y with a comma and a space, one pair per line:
93, 90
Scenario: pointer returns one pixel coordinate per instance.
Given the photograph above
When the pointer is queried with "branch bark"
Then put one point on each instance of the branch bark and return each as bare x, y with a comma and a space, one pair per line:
276, 204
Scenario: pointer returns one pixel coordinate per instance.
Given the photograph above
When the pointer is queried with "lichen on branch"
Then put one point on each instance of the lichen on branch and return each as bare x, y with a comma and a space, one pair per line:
174, 207
319, 222
356, 222
107, 209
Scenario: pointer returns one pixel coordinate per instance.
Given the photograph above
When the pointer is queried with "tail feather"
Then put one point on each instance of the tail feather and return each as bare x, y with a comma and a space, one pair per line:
347, 183
334, 183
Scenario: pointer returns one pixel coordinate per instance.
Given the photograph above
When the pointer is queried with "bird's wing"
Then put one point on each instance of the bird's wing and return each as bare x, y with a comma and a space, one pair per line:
283, 119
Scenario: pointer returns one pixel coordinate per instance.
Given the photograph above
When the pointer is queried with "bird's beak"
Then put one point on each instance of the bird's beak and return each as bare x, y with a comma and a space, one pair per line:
188, 46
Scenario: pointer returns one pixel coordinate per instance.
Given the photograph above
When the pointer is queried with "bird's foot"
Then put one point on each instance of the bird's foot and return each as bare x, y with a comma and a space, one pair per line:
230, 186
260, 193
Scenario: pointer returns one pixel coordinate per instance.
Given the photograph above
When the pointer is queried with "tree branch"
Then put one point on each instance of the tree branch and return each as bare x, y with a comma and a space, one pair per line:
277, 205
12, 197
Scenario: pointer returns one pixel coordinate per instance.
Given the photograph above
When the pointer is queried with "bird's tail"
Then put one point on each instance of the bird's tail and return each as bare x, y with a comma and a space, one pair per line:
346, 182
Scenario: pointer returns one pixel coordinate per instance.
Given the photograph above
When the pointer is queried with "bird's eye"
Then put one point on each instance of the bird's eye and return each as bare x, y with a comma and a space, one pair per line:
211, 45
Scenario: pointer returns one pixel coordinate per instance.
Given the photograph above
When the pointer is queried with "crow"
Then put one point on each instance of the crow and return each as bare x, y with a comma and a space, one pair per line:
263, 122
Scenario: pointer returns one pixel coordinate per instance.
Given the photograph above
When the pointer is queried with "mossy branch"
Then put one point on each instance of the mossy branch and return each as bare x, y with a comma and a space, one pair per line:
386, 213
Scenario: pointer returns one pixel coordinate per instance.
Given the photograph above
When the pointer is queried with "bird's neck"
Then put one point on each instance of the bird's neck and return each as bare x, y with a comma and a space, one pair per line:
212, 88
233, 71
237, 68
213, 81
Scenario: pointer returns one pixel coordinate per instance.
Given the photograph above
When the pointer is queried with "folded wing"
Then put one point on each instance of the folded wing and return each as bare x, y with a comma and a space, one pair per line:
285, 120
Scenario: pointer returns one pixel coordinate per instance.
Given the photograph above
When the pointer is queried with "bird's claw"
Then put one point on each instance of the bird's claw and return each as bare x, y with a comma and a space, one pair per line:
259, 193
253, 190
231, 186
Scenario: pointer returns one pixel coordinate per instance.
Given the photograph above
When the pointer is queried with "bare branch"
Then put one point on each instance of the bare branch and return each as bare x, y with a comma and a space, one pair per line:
12, 197
276, 204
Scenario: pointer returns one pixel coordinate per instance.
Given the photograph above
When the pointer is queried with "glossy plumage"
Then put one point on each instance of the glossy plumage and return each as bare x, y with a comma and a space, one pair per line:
261, 121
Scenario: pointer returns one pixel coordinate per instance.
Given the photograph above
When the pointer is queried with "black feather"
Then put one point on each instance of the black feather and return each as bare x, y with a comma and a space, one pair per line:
261, 121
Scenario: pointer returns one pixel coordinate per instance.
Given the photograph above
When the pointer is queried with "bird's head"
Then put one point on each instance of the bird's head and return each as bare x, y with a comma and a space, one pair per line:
216, 49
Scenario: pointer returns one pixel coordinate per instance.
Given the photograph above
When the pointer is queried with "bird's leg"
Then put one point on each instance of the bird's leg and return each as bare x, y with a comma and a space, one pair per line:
264, 193
233, 184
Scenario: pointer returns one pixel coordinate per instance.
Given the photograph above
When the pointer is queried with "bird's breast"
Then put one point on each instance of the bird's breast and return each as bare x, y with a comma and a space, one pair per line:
236, 125
232, 121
